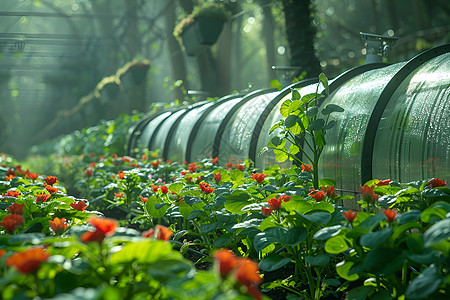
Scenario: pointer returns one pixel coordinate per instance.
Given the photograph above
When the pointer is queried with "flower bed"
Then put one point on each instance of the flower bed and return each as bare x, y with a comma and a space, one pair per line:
149, 228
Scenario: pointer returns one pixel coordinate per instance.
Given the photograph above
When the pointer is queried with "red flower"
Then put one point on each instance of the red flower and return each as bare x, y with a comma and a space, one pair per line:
217, 177
306, 168
284, 198
144, 157
161, 233
350, 215
155, 164
259, 177
50, 180
143, 199
330, 192
29, 260
384, 182
192, 167
80, 205
32, 176
101, 157
114, 155
247, 272
183, 173
58, 225
390, 215
104, 227
266, 211
88, 173
435, 182
240, 167
11, 172
14, 194
155, 188
42, 197
9, 177
92, 164
226, 260
275, 203
121, 174
51, 189
368, 193
11, 222
215, 161
164, 189
16, 208
118, 195
318, 195
188, 179
2, 252
206, 188
229, 165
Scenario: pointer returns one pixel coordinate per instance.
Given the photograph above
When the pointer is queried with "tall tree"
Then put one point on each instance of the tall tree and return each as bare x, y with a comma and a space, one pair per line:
267, 32
300, 35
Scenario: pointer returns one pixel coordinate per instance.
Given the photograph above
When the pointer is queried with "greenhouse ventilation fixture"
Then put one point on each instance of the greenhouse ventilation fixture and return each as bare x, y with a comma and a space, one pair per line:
395, 124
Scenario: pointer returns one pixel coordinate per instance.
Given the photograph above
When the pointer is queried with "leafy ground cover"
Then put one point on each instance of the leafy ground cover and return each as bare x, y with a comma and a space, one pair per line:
150, 228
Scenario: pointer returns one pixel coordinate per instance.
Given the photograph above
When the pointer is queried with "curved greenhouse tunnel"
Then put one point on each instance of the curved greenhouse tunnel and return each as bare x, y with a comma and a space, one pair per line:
395, 124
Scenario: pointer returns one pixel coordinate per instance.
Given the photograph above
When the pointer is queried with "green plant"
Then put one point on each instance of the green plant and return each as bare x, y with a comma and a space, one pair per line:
303, 129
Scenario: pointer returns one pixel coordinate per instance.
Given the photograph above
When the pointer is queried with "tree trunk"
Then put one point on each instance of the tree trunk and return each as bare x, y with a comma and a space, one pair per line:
175, 54
300, 36
267, 33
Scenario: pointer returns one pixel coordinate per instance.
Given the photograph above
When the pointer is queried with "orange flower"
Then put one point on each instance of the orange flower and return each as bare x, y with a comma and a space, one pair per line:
192, 167
29, 260
11, 222
42, 197
275, 203
164, 189
14, 194
88, 173
161, 233
384, 182
318, 195
2, 252
284, 198
266, 211
118, 195
144, 199
247, 272
103, 227
58, 225
240, 167
390, 215
50, 180
9, 177
306, 168
217, 177
435, 182
229, 165
206, 188
11, 172
226, 260
51, 189
350, 215
259, 177
32, 176
215, 161
368, 193
80, 205
121, 174
330, 192
16, 208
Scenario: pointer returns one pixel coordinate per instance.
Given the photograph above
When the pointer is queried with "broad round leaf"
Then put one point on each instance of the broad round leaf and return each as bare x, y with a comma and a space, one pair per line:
334, 108
312, 111
316, 125
425, 284
273, 262
318, 260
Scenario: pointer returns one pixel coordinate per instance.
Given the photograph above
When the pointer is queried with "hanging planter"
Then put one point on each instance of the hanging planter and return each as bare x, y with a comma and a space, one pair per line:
202, 28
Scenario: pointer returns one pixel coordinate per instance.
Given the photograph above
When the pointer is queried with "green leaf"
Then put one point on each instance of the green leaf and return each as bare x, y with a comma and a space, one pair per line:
324, 81
294, 149
373, 239
360, 293
399, 230
425, 284
437, 233
327, 232
275, 126
291, 121
152, 211
294, 106
327, 182
329, 125
280, 156
435, 212
318, 260
337, 244
291, 237
316, 125
383, 260
176, 187
317, 217
145, 252
343, 268
276, 141
186, 209
273, 262
334, 108
295, 94
237, 175
223, 240
312, 111
284, 109
313, 96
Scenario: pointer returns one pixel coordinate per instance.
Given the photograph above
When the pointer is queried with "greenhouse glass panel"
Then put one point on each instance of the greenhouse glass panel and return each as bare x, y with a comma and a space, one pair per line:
160, 136
144, 140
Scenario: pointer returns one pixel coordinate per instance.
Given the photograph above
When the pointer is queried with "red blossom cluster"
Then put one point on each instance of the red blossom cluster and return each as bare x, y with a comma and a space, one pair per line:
103, 227
243, 269
192, 167
12, 222
206, 188
259, 177
436, 182
50, 180
58, 225
275, 203
368, 193
306, 168
80, 205
350, 215
217, 177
